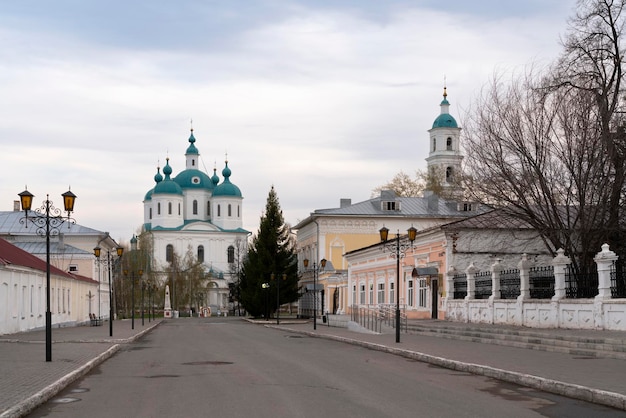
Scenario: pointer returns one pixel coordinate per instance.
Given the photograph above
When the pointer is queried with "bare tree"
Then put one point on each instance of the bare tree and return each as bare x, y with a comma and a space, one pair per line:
549, 148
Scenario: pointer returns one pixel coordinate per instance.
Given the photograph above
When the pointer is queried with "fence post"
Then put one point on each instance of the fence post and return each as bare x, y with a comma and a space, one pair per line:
604, 259
470, 276
450, 282
524, 281
496, 268
560, 263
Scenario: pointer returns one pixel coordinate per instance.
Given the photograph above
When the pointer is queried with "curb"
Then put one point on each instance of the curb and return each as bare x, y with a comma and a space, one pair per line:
31, 403
570, 390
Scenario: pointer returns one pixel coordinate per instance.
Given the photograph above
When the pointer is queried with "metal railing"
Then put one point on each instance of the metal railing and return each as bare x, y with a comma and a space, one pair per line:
509, 284
581, 284
618, 279
373, 317
483, 285
541, 280
460, 286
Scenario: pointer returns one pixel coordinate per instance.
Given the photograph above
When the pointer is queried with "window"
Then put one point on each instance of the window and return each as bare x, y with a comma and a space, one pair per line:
219, 210
381, 293
423, 292
169, 253
179, 209
230, 210
150, 213
208, 208
169, 208
371, 294
362, 294
159, 208
195, 207
411, 293
449, 144
193, 162
231, 254
391, 292
448, 173
391, 205
73, 268
354, 294
434, 144
238, 215
200, 253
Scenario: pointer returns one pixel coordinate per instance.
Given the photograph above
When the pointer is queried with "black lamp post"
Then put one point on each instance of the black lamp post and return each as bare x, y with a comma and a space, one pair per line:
266, 288
397, 251
278, 297
108, 261
133, 248
143, 288
47, 220
316, 268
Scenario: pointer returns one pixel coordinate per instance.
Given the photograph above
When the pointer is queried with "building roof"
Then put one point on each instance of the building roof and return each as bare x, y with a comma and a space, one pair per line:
430, 206
494, 219
13, 223
227, 188
39, 247
12, 255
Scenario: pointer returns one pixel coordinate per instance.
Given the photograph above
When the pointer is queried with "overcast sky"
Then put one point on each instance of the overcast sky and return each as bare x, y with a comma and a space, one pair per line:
323, 99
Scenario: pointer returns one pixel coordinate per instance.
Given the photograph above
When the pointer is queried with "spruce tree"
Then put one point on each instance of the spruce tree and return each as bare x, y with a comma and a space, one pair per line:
272, 252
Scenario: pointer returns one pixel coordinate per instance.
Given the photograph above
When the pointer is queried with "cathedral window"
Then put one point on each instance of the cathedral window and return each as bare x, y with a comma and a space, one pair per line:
238, 214
200, 254
179, 209
449, 144
208, 208
193, 162
230, 210
448, 174
169, 208
159, 208
231, 254
169, 253
434, 144
195, 207
219, 210
150, 213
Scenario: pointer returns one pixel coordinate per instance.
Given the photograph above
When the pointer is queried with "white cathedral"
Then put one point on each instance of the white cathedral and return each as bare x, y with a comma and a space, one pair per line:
195, 212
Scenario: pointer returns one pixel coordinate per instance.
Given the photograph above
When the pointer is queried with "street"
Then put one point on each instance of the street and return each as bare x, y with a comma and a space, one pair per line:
231, 368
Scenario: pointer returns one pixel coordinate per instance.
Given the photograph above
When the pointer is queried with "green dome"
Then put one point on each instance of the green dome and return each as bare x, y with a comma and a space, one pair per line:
445, 120
227, 188
193, 179
167, 186
192, 150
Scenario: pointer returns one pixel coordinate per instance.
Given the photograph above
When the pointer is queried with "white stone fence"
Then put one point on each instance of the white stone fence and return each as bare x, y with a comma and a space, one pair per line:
569, 304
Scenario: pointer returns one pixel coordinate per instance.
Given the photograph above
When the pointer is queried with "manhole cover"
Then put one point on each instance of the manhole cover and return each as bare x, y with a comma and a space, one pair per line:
207, 363
79, 390
65, 400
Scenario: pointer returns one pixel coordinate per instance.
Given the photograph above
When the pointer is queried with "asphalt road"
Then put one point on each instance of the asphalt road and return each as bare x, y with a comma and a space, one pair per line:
230, 368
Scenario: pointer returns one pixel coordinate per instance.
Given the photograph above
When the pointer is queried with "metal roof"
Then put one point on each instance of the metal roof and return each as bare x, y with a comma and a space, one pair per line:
10, 225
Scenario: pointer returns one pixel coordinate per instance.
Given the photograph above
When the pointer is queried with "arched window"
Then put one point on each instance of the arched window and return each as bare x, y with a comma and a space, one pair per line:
449, 144
193, 162
434, 144
448, 173
230, 210
200, 253
208, 208
169, 208
195, 207
150, 210
238, 214
159, 208
219, 211
179, 209
231, 254
169, 253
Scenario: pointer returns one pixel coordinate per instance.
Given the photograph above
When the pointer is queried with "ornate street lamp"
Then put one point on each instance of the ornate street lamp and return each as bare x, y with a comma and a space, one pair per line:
47, 220
109, 263
315, 269
139, 272
397, 251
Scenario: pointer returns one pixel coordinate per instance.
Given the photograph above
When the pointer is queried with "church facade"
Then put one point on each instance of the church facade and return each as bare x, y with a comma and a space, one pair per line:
194, 213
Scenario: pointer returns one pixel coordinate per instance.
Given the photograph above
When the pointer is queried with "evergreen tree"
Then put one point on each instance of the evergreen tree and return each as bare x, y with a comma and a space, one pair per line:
271, 254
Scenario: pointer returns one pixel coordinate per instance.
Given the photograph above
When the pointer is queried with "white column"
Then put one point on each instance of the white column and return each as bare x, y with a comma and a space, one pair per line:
560, 263
604, 259
524, 281
471, 281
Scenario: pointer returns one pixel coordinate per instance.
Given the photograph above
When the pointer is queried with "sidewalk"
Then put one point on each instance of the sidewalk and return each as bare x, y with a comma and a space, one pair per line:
596, 380
27, 380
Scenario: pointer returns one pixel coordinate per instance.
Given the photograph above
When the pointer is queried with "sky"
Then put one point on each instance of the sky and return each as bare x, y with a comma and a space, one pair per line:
323, 99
